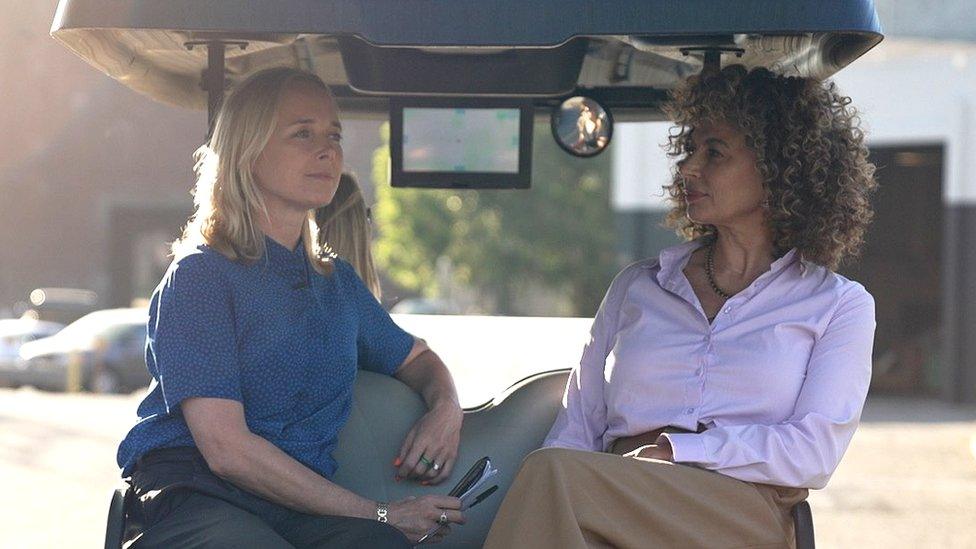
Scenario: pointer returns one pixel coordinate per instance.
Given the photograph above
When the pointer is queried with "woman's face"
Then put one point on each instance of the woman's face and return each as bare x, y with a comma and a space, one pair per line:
722, 185
299, 168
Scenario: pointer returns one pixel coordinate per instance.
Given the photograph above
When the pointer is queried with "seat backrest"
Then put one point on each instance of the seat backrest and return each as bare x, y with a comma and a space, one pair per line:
115, 524
803, 525
506, 430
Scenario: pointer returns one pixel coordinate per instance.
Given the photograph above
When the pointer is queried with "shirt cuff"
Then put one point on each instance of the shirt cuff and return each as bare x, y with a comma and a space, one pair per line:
686, 447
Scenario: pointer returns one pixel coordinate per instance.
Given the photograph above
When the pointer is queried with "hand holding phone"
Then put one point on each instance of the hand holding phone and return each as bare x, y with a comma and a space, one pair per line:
467, 488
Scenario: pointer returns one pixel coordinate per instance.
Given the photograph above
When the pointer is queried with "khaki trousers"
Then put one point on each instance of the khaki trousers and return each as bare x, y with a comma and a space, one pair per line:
574, 499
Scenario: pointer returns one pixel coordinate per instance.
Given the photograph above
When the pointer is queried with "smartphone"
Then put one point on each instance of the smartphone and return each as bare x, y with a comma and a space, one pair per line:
469, 478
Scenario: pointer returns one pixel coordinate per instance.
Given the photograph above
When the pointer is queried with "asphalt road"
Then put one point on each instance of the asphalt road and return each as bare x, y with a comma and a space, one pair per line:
908, 480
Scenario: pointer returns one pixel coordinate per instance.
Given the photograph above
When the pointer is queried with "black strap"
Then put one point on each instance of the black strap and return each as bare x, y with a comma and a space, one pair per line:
133, 520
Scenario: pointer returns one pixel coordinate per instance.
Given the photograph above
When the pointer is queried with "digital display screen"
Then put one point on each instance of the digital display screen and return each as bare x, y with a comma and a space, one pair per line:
461, 140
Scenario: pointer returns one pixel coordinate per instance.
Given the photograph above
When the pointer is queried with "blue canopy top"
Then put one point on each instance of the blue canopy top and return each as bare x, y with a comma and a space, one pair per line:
456, 46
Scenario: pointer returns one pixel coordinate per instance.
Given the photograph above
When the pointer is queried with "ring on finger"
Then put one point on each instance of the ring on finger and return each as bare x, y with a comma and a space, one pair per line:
435, 467
443, 519
428, 462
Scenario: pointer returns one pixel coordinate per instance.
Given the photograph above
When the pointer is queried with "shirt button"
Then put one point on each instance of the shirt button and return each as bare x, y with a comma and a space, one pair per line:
728, 310
690, 411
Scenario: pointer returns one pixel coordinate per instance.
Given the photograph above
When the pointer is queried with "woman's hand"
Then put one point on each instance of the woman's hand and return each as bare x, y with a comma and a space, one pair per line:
417, 516
661, 449
434, 438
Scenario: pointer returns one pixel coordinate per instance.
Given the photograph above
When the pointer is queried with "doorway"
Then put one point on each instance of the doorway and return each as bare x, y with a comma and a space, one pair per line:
901, 265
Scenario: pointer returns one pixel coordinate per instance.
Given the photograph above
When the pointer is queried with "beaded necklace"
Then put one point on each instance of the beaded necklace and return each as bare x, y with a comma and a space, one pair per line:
710, 271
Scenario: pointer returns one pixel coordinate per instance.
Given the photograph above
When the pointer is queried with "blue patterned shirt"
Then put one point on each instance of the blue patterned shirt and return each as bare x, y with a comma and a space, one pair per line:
274, 335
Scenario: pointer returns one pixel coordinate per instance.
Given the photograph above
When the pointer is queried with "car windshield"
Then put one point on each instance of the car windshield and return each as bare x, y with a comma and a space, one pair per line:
21, 327
524, 271
102, 324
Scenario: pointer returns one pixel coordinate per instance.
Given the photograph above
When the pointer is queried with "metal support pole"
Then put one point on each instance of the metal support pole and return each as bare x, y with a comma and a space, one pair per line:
959, 305
712, 63
213, 82
73, 380
212, 78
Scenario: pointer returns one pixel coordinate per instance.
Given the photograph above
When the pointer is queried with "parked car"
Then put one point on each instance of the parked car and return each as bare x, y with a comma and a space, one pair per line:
426, 306
14, 332
108, 345
64, 305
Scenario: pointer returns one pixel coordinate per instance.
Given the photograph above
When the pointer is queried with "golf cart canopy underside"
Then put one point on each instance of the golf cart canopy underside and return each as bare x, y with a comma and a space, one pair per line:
625, 53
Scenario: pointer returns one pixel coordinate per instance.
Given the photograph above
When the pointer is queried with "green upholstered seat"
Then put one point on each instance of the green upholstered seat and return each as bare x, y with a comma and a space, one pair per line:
506, 430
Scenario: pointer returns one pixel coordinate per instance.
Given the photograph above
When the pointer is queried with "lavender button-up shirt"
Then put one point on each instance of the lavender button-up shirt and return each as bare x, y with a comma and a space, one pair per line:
779, 377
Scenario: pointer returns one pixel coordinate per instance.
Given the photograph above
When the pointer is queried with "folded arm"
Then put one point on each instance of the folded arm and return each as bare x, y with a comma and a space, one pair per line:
804, 450
582, 420
436, 435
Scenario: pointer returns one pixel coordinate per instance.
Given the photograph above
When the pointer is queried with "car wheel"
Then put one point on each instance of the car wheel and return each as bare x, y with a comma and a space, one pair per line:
105, 381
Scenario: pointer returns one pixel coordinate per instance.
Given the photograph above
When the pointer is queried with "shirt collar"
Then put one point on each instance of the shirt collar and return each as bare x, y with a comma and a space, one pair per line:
291, 264
673, 260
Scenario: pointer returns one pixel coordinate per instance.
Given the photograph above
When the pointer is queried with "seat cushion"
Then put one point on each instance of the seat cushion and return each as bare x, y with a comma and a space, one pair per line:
506, 430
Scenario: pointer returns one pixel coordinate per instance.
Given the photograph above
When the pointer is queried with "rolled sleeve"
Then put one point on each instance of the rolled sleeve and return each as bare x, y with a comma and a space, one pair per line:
804, 450
192, 337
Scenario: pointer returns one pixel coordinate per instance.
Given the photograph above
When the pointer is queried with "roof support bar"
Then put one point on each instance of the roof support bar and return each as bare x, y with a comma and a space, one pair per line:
212, 78
213, 82
712, 62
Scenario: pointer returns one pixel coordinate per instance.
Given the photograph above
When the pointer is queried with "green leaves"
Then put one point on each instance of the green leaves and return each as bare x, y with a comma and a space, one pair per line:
555, 240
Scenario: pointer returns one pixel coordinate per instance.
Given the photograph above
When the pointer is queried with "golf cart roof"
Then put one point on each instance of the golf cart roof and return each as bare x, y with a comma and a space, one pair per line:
627, 53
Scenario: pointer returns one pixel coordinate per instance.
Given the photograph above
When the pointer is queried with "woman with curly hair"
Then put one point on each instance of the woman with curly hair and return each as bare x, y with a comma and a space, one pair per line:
727, 376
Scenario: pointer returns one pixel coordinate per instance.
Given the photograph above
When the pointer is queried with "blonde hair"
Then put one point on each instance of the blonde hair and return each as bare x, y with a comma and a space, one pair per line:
344, 231
226, 197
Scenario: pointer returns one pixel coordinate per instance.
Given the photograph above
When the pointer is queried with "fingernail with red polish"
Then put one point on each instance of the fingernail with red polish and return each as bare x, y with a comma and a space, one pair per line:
425, 483
397, 462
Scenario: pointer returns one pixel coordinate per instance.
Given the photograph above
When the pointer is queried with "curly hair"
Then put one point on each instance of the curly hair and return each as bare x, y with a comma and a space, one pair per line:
809, 149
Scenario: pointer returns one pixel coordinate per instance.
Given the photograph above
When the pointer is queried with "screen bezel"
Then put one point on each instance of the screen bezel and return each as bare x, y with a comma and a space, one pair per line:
467, 180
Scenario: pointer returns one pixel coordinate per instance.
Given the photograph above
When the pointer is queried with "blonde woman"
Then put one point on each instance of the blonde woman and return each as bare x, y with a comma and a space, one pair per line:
344, 230
253, 343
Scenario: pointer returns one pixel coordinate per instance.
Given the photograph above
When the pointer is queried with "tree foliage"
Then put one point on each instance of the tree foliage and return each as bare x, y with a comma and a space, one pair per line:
559, 235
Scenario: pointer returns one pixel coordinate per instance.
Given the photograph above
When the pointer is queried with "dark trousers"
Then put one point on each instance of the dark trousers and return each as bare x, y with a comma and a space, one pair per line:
181, 503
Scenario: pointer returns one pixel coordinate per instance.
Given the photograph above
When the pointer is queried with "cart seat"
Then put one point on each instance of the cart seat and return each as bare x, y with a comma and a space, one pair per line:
506, 430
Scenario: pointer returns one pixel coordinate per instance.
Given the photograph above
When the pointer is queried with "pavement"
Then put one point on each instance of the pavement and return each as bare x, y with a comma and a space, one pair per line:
908, 479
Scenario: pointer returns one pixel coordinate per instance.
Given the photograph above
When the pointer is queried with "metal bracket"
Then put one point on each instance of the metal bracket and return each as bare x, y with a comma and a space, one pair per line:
621, 67
711, 57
